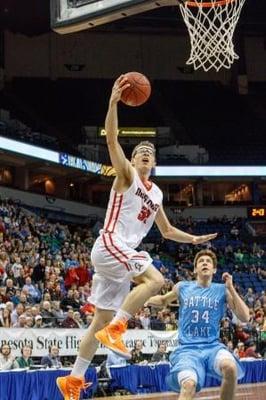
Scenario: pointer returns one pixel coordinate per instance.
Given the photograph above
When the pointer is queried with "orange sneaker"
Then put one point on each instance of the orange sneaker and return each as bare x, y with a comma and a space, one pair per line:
71, 386
111, 337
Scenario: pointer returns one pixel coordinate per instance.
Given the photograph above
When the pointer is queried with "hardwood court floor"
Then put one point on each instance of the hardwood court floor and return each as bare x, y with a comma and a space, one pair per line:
244, 392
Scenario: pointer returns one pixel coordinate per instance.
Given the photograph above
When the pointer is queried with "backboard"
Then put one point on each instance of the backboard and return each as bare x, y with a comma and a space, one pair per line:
75, 15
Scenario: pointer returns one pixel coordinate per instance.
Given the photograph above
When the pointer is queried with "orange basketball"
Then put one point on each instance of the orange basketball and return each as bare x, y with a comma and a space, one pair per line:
139, 90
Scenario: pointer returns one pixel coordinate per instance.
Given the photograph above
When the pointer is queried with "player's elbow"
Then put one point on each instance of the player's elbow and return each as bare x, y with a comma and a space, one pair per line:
168, 232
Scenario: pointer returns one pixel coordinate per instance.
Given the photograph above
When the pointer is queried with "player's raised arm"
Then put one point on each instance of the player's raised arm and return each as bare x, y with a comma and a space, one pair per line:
235, 302
168, 231
119, 161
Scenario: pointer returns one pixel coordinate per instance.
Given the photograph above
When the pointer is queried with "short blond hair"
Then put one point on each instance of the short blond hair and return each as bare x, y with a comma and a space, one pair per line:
145, 143
205, 252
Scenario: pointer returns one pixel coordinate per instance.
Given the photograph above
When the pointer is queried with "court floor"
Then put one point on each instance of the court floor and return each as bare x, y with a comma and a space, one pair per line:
244, 392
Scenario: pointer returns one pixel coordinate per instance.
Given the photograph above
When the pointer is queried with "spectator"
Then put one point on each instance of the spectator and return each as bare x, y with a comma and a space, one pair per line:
158, 323
239, 256
226, 330
68, 301
6, 358
160, 355
145, 318
10, 289
169, 326
21, 322
19, 310
35, 310
262, 298
38, 322
47, 314
24, 299
173, 320
4, 261
58, 313
69, 321
76, 305
77, 318
230, 346
250, 298
10, 306
39, 271
241, 335
25, 361
16, 298
29, 322
239, 351
251, 351
52, 360
31, 290
157, 262
137, 357
234, 232
89, 318
5, 318
17, 267
134, 322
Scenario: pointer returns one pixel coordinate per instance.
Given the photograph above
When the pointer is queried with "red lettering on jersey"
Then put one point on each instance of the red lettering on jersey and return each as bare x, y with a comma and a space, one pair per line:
144, 214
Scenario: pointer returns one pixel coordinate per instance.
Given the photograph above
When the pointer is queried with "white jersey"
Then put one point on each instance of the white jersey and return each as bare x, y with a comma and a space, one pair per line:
130, 215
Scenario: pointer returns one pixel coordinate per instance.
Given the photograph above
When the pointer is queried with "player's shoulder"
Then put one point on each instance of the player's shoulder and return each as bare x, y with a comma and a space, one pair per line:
218, 285
186, 283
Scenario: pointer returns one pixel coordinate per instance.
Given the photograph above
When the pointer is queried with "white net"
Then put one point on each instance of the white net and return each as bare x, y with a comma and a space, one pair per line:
211, 27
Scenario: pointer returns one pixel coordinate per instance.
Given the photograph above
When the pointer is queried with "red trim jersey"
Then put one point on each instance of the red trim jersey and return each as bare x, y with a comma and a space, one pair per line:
130, 215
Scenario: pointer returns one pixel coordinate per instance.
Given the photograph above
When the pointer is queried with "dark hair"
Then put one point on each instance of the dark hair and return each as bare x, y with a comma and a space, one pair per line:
26, 346
145, 143
205, 252
3, 345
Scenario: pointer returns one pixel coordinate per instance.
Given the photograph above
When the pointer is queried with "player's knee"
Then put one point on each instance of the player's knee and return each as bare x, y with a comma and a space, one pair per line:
188, 387
229, 369
187, 380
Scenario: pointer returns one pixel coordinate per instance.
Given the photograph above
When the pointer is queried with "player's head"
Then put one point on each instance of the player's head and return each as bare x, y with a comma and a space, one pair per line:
143, 155
205, 263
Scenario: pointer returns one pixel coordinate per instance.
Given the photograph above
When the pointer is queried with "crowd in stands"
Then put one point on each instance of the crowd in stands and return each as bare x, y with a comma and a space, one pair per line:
46, 274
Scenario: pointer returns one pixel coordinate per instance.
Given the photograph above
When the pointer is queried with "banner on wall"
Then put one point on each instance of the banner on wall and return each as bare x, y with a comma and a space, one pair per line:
68, 340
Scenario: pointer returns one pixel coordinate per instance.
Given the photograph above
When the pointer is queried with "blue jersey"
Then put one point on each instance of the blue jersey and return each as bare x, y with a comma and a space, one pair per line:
200, 312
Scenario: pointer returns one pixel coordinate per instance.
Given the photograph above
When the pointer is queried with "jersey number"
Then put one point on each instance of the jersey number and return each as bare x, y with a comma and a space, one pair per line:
196, 316
144, 214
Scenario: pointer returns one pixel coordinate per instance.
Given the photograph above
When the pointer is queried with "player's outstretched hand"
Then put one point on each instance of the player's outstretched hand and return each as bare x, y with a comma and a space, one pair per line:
228, 279
203, 238
119, 86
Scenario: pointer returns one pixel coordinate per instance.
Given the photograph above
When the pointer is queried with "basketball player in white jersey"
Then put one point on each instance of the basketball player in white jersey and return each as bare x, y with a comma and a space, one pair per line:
135, 203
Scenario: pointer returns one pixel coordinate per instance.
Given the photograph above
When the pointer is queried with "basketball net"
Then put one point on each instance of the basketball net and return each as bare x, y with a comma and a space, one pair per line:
211, 25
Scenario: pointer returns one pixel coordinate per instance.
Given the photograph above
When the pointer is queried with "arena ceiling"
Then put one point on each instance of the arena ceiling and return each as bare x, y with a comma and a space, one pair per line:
32, 17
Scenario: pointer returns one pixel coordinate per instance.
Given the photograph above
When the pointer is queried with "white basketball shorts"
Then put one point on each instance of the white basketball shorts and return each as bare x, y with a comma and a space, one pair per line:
115, 264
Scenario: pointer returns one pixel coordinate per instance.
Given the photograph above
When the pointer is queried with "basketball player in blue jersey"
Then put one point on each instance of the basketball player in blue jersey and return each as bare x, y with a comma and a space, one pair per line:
135, 203
202, 305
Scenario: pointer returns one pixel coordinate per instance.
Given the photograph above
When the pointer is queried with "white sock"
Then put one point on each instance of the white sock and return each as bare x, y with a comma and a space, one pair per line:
121, 316
80, 366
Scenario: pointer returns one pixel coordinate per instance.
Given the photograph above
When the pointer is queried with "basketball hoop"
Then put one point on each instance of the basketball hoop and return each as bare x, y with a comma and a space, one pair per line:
211, 25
